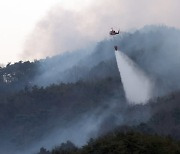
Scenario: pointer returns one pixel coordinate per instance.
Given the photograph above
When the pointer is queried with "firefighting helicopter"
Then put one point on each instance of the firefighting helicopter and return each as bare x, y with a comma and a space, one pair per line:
112, 33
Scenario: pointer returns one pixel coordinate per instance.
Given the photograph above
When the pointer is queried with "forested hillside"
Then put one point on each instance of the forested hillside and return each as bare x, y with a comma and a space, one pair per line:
140, 138
79, 95
118, 142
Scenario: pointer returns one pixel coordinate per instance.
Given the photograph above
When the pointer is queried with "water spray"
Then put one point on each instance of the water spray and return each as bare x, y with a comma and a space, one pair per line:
137, 85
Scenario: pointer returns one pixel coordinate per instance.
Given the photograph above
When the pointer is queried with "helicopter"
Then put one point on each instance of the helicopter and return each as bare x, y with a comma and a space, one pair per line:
113, 32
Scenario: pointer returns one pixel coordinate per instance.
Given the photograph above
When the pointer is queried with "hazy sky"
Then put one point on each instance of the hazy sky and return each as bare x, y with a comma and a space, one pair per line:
32, 29
18, 19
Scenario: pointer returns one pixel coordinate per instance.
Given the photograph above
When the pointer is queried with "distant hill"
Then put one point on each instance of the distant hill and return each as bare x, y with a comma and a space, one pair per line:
154, 48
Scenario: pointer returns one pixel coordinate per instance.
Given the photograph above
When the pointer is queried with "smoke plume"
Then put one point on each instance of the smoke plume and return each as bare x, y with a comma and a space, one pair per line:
64, 30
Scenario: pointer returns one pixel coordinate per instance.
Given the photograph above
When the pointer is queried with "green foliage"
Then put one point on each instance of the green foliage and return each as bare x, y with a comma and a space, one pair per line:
43, 151
65, 148
124, 143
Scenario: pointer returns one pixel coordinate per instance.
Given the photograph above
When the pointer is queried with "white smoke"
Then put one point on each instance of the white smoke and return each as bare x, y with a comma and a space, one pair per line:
62, 30
137, 86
